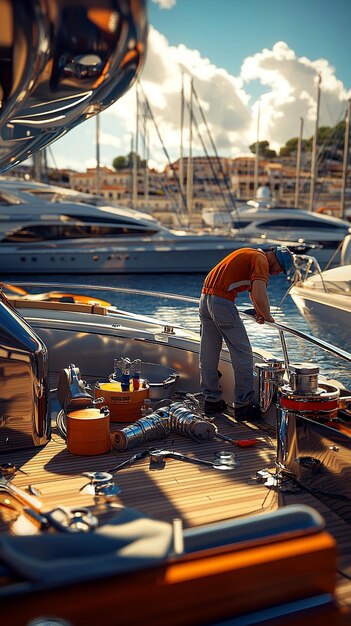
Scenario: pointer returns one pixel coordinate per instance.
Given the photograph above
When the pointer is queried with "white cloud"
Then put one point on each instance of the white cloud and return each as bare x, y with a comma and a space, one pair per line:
165, 4
290, 92
108, 139
221, 96
72, 163
289, 84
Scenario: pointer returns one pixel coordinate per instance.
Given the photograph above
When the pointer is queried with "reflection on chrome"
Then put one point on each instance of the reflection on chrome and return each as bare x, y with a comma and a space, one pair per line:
61, 64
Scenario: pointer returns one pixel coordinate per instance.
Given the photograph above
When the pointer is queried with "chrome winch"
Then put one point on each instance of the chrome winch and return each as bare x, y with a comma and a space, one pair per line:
270, 378
303, 398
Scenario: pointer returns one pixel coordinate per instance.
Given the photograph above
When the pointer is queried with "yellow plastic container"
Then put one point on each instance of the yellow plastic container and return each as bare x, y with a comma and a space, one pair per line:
124, 406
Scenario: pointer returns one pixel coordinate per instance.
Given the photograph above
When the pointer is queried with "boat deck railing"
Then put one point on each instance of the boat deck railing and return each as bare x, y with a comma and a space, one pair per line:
248, 314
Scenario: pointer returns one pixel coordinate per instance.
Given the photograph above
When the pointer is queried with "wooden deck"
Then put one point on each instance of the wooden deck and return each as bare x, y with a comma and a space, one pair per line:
196, 494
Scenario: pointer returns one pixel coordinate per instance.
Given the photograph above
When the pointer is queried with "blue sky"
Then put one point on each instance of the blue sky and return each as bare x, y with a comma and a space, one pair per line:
227, 31
244, 56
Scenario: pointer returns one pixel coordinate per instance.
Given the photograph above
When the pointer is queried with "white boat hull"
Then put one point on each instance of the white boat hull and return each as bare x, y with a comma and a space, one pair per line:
191, 255
327, 313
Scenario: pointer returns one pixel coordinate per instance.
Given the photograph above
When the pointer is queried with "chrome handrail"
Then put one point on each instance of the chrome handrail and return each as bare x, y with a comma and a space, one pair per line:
311, 261
339, 352
325, 345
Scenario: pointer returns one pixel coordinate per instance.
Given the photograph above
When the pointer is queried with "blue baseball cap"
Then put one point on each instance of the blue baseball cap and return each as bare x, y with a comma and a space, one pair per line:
285, 258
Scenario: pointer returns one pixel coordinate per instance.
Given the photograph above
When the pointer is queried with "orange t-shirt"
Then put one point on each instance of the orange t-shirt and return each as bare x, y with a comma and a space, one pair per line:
236, 272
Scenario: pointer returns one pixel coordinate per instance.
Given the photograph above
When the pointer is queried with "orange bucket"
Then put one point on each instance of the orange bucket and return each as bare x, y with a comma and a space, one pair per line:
124, 406
88, 431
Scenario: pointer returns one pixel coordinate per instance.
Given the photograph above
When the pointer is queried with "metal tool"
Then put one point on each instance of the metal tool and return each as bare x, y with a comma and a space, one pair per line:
242, 443
158, 460
33, 507
101, 484
7, 470
225, 459
60, 518
98, 477
72, 520
128, 462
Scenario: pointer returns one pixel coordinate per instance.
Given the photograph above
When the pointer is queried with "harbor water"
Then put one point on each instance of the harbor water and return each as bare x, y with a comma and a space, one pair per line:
185, 314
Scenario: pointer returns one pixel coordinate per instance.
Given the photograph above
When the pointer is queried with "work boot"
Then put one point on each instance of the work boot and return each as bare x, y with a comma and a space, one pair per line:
248, 411
211, 408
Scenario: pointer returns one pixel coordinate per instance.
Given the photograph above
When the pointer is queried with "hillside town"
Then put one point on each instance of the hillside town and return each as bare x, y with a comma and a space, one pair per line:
216, 183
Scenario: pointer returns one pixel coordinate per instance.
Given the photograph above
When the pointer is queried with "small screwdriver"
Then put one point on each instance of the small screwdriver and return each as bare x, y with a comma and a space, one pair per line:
243, 443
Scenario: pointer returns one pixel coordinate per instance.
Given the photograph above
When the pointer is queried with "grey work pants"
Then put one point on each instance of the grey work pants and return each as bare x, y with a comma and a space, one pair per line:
220, 321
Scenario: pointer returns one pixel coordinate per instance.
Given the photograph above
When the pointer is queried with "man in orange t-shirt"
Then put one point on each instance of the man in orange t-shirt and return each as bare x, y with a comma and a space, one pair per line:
246, 269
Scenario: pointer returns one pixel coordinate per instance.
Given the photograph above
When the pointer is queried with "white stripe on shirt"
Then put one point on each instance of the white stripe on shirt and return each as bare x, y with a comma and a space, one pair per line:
240, 283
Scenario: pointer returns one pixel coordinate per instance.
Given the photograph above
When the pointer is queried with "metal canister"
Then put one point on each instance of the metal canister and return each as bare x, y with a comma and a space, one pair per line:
303, 378
270, 378
148, 428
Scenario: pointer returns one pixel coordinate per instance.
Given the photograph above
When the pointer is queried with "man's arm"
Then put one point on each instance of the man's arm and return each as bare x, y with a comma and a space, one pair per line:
259, 298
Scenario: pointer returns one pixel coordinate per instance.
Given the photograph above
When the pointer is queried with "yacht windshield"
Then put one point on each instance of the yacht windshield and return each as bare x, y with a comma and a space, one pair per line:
51, 232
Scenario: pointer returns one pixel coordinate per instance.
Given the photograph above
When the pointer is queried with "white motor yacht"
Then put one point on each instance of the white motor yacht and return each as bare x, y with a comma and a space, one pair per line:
258, 218
45, 229
324, 297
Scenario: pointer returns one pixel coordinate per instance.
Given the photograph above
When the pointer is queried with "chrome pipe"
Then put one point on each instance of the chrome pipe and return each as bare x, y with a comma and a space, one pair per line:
285, 349
287, 445
310, 338
270, 378
279, 326
173, 418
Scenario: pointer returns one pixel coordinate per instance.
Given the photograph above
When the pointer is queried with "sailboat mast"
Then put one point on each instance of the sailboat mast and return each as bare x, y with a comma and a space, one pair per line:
298, 164
97, 144
257, 152
38, 166
146, 157
181, 172
314, 148
135, 151
189, 181
345, 161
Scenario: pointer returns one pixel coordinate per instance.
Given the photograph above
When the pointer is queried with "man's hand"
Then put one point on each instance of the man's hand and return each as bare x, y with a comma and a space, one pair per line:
259, 299
261, 320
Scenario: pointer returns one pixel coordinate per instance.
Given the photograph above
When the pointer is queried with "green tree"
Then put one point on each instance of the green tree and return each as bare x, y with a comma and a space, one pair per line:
263, 150
125, 162
120, 163
290, 148
331, 139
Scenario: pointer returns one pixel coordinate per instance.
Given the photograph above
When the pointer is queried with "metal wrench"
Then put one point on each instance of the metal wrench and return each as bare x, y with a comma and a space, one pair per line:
159, 456
136, 457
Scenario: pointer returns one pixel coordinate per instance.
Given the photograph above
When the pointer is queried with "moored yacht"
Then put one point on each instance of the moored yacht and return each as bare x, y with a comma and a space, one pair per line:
324, 297
46, 229
262, 217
